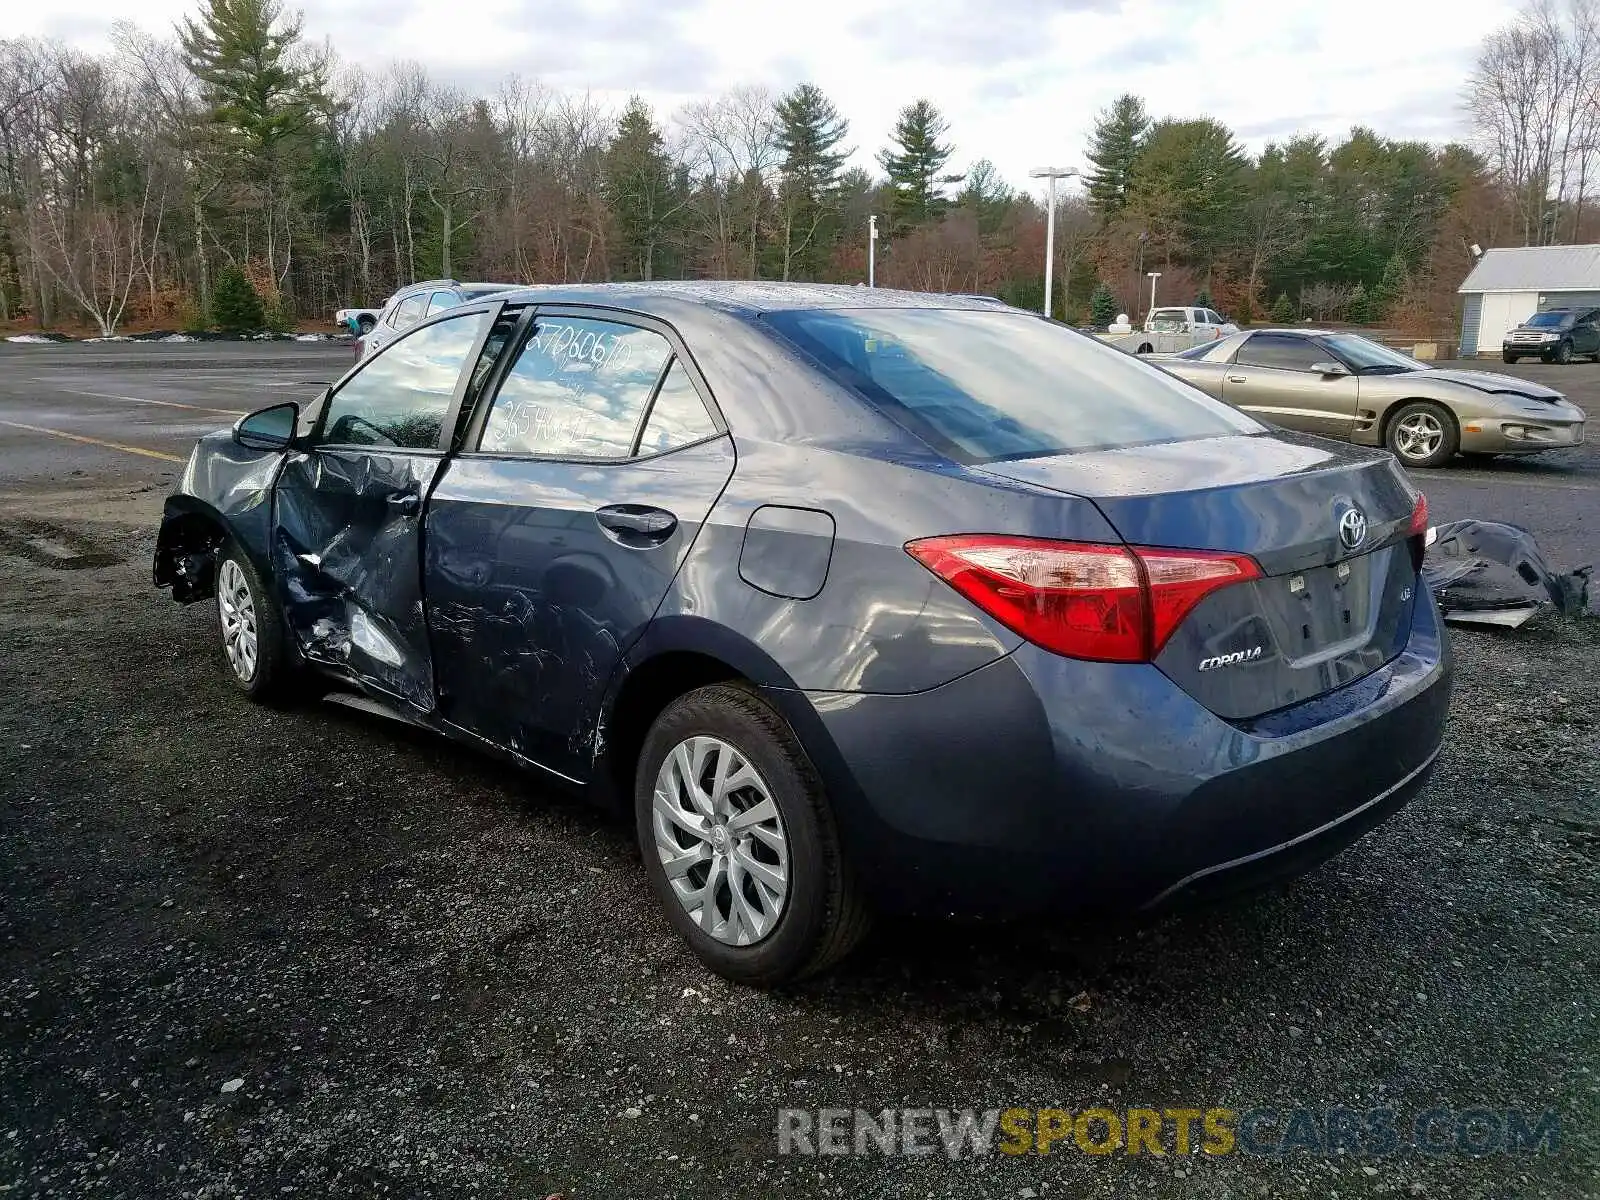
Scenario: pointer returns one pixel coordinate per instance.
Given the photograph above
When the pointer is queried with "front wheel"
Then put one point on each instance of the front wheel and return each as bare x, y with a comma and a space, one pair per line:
1564, 353
739, 843
1423, 434
1507, 356
252, 629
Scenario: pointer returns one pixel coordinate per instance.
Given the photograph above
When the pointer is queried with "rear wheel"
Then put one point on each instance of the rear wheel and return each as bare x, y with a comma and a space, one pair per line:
1423, 434
253, 647
739, 843
1145, 348
364, 324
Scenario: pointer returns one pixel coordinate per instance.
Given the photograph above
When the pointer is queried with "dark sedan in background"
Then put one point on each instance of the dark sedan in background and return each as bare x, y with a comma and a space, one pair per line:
857, 600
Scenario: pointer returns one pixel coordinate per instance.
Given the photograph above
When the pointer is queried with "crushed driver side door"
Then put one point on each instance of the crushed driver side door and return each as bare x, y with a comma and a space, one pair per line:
348, 506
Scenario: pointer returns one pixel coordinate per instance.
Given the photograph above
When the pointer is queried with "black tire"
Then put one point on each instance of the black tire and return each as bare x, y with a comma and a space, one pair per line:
1507, 356
274, 669
1445, 449
1145, 348
823, 916
1564, 353
364, 325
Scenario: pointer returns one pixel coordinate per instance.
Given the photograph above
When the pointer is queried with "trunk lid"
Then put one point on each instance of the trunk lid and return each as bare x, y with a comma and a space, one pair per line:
1325, 614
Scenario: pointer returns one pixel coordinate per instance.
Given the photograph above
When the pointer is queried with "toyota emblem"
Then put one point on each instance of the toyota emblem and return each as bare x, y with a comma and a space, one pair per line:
1352, 528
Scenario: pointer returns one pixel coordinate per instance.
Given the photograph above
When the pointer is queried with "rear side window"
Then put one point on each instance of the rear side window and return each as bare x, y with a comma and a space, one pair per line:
678, 417
1280, 350
578, 389
981, 386
399, 399
408, 312
442, 301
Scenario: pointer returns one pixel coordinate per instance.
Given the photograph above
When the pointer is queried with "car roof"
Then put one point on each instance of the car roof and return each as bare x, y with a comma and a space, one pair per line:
745, 297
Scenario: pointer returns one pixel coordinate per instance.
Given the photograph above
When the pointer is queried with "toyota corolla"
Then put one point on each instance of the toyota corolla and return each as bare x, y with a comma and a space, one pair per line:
857, 601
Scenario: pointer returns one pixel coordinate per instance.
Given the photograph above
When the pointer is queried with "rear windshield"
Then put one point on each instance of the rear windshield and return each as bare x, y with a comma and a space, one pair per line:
981, 386
1548, 320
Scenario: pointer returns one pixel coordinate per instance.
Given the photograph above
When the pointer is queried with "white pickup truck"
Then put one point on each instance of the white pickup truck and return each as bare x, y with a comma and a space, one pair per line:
357, 320
1169, 330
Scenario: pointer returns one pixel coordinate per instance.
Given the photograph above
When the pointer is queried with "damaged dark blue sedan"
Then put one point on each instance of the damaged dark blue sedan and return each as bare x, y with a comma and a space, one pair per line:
858, 600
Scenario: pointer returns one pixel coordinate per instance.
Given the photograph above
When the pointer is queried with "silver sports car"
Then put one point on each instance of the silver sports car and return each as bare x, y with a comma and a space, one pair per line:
1342, 385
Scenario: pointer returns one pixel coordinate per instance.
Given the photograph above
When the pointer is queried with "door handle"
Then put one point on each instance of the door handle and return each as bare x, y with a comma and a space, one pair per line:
405, 503
637, 521
1238, 379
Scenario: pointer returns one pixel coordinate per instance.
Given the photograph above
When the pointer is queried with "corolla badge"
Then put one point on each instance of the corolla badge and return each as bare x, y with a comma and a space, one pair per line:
1352, 528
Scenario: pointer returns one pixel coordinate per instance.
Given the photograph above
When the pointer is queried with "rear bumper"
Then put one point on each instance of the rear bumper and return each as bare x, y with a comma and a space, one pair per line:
1041, 784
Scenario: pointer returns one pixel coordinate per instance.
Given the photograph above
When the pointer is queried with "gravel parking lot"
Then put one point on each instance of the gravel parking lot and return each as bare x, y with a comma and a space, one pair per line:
248, 952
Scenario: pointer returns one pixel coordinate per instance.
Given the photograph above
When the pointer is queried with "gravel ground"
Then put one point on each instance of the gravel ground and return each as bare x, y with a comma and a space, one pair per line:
248, 952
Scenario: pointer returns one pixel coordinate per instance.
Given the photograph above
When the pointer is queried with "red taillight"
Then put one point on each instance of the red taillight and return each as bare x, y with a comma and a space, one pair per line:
1418, 531
1083, 600
1419, 515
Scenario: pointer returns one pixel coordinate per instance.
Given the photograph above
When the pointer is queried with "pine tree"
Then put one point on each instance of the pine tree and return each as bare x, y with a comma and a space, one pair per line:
914, 164
1203, 299
810, 135
242, 52
1282, 309
810, 131
1119, 132
643, 189
1102, 305
1356, 309
1384, 296
235, 304
986, 195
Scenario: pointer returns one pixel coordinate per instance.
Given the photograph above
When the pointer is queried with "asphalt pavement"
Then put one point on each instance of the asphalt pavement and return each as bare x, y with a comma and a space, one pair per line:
250, 952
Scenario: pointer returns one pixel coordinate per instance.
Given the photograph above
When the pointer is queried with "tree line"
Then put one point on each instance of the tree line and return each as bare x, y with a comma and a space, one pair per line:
136, 184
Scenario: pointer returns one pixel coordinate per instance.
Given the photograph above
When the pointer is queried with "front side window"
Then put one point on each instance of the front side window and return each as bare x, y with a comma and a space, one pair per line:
399, 399
578, 389
1367, 357
1215, 317
1282, 351
986, 385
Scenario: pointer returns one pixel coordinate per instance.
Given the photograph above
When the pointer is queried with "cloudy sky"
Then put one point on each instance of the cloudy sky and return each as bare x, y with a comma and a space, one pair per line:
1019, 80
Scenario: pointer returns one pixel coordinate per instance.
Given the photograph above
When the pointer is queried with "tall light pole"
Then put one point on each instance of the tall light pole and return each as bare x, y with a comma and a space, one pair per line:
872, 251
1052, 174
1154, 275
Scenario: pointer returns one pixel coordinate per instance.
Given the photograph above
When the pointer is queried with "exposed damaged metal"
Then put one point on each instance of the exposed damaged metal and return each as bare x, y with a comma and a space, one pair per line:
1490, 573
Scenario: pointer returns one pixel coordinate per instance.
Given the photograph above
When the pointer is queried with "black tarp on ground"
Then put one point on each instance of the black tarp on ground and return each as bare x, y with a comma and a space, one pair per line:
1484, 566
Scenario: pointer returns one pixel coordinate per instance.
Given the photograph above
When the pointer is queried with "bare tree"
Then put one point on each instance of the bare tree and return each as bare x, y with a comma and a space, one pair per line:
732, 142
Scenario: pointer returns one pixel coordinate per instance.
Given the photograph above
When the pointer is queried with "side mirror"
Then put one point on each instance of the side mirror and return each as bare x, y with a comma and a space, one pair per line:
1330, 369
268, 428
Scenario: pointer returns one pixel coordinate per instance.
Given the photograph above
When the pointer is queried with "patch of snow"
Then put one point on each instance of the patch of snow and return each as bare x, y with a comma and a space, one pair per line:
310, 337
178, 337
115, 337
31, 339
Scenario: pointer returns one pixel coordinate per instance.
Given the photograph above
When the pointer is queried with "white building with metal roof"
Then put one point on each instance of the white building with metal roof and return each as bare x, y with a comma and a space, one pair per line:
1506, 287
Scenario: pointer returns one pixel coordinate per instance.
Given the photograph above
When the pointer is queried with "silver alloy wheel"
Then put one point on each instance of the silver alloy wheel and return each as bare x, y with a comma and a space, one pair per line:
238, 611
721, 840
1418, 436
